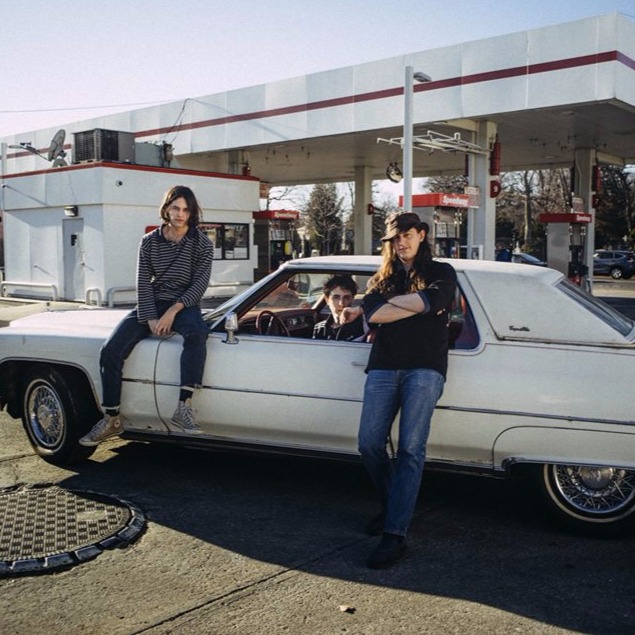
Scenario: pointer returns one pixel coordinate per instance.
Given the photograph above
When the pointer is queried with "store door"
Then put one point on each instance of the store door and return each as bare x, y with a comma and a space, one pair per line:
73, 236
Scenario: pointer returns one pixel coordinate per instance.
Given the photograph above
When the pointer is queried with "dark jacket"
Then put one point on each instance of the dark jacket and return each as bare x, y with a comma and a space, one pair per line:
328, 330
420, 341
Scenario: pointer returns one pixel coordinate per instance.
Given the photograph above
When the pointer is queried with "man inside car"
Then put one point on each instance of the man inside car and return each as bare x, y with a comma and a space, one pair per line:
339, 293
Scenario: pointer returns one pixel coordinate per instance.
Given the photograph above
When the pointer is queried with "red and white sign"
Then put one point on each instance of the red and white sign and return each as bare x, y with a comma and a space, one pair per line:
565, 218
277, 214
439, 199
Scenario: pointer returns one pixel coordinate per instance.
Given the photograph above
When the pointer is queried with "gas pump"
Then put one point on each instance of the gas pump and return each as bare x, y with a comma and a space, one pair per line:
578, 271
566, 234
274, 234
444, 214
446, 233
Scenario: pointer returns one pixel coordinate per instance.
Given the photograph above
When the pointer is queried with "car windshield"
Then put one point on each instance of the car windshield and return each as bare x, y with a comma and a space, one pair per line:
621, 323
228, 305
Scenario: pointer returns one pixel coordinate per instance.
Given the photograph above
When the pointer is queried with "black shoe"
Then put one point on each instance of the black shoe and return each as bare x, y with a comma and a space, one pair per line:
390, 549
375, 526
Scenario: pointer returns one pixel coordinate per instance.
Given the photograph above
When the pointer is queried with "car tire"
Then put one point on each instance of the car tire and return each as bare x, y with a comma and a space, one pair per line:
616, 273
55, 416
593, 501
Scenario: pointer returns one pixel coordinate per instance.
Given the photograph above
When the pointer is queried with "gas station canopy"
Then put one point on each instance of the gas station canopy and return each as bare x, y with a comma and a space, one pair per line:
546, 92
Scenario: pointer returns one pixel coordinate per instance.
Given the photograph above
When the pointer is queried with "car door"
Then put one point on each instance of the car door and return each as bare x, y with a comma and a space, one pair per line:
138, 397
273, 390
276, 385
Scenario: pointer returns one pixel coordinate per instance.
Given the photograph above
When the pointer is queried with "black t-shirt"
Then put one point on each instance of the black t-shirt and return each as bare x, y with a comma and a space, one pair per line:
419, 341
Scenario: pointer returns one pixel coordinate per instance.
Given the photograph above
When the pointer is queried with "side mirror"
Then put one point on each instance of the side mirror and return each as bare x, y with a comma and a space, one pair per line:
231, 326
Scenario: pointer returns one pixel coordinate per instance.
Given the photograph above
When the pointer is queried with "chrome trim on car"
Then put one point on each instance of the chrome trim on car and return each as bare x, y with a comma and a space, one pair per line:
299, 450
536, 415
487, 411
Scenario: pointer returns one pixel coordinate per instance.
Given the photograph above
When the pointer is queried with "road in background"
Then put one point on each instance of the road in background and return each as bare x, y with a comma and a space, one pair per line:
618, 293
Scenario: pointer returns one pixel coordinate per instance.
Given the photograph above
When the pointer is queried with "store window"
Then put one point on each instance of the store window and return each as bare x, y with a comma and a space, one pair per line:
230, 240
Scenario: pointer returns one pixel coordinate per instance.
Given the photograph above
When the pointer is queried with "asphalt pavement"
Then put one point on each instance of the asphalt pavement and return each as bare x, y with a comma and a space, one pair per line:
266, 545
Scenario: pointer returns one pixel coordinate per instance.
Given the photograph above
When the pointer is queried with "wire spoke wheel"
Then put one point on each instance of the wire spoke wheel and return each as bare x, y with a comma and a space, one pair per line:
45, 414
56, 413
598, 499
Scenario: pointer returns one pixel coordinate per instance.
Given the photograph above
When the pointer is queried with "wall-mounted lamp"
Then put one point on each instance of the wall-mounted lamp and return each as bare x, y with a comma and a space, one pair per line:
71, 210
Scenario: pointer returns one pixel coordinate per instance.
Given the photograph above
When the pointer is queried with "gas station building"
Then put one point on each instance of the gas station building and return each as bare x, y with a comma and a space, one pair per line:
561, 96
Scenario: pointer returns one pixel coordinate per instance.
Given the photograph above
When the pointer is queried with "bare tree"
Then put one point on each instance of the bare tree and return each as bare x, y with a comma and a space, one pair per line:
527, 194
615, 213
291, 194
384, 206
447, 184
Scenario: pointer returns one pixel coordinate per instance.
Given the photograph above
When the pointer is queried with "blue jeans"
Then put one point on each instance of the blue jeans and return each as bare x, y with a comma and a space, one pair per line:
129, 332
415, 392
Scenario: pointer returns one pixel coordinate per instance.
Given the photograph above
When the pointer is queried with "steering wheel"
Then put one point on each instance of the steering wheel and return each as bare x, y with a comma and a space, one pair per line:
268, 323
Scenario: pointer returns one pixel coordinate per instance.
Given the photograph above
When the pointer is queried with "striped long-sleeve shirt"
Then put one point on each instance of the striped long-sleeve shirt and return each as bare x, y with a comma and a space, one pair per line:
174, 272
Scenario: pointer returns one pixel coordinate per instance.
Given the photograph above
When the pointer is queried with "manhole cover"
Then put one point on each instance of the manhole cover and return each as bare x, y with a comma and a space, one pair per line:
45, 527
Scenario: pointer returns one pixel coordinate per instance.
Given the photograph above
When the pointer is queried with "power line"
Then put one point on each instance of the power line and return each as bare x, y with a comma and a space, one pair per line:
141, 103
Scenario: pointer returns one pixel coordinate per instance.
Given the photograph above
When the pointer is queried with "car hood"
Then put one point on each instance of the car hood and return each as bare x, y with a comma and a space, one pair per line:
78, 322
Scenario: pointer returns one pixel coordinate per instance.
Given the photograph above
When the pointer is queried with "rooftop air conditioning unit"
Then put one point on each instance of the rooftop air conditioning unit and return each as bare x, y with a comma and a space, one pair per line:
103, 145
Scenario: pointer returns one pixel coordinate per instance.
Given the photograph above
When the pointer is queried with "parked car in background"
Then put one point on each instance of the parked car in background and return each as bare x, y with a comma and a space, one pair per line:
522, 397
527, 259
615, 263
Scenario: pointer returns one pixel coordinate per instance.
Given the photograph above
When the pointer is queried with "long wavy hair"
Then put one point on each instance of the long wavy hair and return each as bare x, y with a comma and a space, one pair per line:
181, 191
385, 279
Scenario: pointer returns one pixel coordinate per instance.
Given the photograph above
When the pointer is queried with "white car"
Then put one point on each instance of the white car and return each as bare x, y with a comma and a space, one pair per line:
528, 387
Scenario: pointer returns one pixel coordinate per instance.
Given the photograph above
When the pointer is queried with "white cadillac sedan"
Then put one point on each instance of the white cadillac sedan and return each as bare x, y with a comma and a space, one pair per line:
540, 382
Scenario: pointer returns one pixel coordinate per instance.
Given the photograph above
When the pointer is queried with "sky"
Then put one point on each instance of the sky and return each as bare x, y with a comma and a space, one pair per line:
64, 61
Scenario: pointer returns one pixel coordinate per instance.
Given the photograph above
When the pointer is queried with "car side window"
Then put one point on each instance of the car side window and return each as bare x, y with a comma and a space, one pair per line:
463, 331
294, 306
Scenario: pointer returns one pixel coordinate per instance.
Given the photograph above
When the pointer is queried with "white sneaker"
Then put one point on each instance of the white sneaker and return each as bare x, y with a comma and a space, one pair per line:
109, 426
184, 418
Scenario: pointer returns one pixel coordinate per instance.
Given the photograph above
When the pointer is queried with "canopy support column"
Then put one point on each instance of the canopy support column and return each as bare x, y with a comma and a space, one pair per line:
363, 221
481, 226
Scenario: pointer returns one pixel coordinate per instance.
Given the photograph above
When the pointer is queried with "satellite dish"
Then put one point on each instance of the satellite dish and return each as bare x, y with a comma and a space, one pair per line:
56, 149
